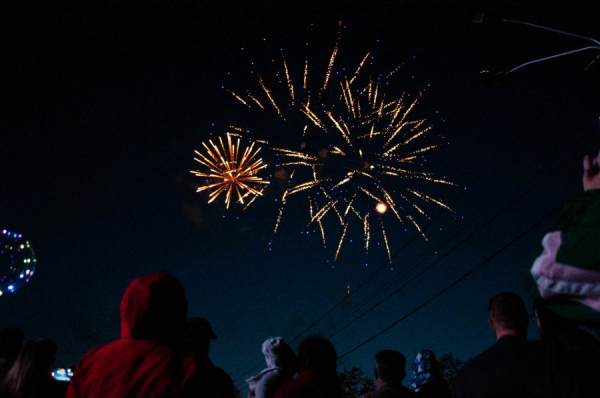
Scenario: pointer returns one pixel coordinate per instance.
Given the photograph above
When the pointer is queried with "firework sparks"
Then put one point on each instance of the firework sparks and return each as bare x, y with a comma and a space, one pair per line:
361, 157
227, 170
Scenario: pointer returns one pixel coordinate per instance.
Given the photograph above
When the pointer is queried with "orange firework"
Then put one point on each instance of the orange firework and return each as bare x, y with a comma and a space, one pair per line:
228, 171
364, 145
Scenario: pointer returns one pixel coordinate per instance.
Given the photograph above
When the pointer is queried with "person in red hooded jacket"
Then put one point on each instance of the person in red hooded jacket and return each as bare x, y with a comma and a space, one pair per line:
149, 359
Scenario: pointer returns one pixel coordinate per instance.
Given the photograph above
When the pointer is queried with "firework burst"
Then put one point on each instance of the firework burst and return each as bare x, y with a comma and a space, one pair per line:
227, 170
357, 159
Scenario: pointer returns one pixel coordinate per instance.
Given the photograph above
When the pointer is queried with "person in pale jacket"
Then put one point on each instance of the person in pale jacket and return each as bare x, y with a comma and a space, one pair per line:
281, 367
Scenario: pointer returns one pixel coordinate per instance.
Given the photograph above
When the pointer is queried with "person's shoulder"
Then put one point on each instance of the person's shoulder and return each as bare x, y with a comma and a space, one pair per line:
220, 373
474, 362
272, 374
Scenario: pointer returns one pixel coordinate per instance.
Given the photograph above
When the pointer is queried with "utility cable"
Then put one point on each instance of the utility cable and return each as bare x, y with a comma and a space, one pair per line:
451, 285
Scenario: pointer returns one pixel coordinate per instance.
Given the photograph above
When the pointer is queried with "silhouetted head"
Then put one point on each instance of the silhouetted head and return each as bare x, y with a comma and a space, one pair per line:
200, 334
507, 314
317, 353
32, 368
154, 307
551, 325
389, 366
11, 342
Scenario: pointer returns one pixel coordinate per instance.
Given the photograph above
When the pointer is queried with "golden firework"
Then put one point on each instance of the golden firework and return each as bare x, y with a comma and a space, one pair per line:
227, 170
364, 145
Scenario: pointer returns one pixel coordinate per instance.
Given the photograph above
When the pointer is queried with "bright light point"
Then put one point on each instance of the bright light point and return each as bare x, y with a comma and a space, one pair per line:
381, 208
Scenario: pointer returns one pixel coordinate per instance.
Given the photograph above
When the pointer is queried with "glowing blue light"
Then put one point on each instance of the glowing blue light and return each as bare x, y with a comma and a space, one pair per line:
11, 288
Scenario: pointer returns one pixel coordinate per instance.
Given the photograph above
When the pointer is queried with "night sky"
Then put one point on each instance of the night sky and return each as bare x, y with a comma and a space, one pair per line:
103, 107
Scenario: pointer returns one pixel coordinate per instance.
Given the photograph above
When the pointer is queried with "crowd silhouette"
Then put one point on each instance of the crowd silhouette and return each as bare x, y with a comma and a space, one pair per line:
162, 353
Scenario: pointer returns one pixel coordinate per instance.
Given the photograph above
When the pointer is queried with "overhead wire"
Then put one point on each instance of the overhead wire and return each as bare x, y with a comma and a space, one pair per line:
515, 138
454, 283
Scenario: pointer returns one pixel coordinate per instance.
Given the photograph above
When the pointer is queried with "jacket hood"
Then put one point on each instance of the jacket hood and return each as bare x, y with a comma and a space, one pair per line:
425, 370
154, 307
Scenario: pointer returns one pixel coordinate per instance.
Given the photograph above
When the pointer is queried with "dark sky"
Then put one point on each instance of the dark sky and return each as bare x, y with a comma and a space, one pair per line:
103, 107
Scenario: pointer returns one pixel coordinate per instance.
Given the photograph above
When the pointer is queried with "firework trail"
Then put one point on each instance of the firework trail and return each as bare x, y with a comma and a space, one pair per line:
359, 145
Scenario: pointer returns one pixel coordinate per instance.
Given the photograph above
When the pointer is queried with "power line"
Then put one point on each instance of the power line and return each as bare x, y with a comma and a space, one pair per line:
509, 205
514, 139
456, 282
